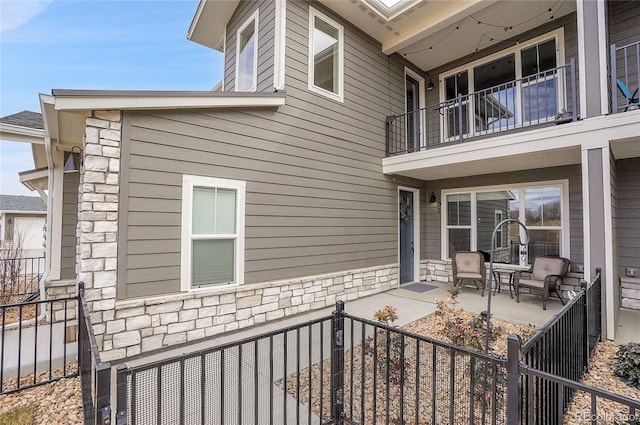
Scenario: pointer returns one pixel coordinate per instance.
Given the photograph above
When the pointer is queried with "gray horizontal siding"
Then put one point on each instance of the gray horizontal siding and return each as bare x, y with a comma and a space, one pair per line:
317, 201
573, 173
627, 206
266, 42
623, 22
305, 214
69, 224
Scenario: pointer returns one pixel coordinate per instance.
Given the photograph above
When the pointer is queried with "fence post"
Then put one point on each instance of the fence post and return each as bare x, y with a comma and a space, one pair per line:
513, 379
614, 76
103, 394
574, 95
585, 326
337, 364
121, 395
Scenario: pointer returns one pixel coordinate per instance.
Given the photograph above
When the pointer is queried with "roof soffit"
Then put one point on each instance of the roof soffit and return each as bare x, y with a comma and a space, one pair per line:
433, 33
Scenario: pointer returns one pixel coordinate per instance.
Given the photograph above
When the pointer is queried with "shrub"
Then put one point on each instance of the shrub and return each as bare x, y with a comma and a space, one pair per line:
19, 415
387, 315
627, 364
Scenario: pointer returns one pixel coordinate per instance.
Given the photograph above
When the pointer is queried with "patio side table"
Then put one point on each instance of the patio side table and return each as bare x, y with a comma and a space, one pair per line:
498, 274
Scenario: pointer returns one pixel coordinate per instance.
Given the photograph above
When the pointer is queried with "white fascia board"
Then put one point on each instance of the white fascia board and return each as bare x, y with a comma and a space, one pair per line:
82, 103
590, 134
434, 24
19, 212
18, 133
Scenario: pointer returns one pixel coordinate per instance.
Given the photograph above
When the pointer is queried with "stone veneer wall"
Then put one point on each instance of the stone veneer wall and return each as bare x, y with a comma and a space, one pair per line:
441, 271
126, 328
57, 290
630, 292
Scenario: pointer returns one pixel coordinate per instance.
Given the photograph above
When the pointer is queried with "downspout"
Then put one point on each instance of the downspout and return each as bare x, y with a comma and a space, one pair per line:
47, 255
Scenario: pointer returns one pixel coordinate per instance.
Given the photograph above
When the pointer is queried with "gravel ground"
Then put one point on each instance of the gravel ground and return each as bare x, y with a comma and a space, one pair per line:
601, 376
423, 381
58, 403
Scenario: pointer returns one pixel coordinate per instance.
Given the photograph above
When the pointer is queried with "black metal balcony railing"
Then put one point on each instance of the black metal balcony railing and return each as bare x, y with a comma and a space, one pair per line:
543, 98
625, 72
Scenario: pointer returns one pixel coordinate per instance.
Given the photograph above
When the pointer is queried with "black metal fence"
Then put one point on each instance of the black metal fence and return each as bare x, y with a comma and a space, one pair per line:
279, 377
19, 277
37, 343
544, 374
95, 376
391, 376
342, 369
334, 370
548, 97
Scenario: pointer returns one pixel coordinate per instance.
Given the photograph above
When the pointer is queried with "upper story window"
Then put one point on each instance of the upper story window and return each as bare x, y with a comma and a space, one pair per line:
247, 55
212, 231
517, 87
326, 55
472, 214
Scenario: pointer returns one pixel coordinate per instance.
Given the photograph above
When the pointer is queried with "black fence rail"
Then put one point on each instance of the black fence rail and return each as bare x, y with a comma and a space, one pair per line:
545, 98
19, 278
562, 348
391, 376
37, 343
95, 376
333, 370
281, 377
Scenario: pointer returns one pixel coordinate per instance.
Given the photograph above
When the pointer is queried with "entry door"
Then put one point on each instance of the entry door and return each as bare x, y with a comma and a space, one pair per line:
405, 210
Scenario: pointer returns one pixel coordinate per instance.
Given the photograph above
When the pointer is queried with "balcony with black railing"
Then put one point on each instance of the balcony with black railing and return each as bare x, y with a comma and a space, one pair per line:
542, 99
625, 81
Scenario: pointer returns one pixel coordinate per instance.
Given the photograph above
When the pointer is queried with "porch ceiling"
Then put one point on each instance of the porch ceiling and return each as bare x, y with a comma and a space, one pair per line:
433, 33
502, 164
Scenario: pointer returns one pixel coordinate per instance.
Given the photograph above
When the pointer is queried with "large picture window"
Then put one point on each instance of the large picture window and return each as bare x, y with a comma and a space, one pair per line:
212, 231
247, 55
470, 217
326, 53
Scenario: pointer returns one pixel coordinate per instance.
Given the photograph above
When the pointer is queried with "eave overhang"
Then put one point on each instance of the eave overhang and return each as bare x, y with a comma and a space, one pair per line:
86, 100
21, 134
210, 22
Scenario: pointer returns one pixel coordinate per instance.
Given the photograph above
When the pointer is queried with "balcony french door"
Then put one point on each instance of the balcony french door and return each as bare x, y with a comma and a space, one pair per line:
515, 90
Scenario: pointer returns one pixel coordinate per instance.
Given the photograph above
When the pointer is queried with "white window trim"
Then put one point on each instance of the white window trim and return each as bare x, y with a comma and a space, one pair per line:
416, 230
188, 183
565, 227
421, 99
557, 34
280, 45
313, 13
252, 18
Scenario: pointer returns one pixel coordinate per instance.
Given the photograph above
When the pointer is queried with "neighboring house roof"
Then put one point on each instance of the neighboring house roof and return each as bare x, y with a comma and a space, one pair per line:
22, 203
28, 119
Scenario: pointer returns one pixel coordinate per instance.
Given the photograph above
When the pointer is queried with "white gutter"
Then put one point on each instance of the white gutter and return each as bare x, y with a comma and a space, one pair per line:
47, 255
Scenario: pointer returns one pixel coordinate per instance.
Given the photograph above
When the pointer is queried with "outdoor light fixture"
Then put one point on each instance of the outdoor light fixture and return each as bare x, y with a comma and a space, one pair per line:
433, 199
74, 161
430, 86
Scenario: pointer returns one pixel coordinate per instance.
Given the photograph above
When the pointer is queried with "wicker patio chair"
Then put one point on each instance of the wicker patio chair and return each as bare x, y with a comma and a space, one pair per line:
544, 276
468, 266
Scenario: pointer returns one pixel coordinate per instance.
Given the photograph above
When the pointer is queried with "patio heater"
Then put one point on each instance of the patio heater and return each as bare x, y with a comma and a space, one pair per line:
493, 244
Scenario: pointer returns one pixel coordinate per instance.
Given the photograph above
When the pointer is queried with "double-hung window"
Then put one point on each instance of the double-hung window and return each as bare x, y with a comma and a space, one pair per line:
326, 55
471, 215
212, 231
247, 55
